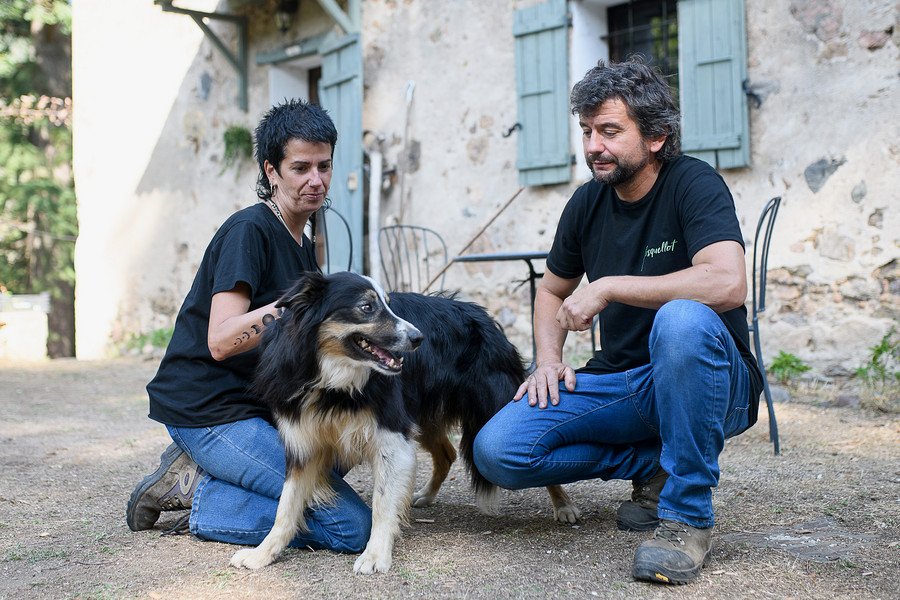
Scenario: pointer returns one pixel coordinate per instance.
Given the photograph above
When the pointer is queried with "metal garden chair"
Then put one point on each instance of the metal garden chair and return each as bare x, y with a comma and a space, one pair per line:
760, 263
335, 245
410, 256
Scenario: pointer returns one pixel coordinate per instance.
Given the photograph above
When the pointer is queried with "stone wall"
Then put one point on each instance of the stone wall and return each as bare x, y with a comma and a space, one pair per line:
827, 139
440, 93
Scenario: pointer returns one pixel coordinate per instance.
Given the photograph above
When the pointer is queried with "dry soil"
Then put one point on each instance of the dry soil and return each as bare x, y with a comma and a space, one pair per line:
819, 521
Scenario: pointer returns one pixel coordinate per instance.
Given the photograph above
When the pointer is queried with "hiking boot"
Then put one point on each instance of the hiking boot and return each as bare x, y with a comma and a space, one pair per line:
639, 513
170, 487
674, 554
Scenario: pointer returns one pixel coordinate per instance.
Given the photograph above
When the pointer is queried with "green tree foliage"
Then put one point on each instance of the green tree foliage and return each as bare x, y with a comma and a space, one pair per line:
38, 222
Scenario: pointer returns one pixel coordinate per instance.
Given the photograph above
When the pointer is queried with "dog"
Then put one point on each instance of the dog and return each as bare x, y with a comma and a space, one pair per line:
349, 378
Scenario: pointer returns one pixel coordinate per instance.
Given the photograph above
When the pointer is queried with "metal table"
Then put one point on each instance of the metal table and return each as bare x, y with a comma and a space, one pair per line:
533, 276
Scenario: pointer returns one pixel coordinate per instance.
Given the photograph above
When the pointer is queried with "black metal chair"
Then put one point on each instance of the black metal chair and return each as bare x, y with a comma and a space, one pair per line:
332, 246
410, 256
760, 264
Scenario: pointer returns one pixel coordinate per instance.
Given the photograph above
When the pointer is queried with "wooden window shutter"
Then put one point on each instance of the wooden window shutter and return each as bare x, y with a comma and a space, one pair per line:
712, 66
340, 93
542, 66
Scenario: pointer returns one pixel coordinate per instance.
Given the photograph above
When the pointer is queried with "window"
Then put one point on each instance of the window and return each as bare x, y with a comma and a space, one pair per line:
648, 28
699, 44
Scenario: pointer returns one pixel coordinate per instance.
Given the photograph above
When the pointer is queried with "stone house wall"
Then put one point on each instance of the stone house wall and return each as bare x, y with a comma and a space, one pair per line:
439, 90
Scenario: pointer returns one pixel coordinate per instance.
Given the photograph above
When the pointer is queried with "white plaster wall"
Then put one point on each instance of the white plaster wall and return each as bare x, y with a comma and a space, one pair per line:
153, 98
459, 56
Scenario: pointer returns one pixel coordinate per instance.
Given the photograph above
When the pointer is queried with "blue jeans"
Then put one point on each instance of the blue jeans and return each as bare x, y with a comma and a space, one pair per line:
675, 413
237, 499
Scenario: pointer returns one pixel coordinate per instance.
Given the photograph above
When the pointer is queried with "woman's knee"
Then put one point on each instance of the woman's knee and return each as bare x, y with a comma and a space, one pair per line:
354, 535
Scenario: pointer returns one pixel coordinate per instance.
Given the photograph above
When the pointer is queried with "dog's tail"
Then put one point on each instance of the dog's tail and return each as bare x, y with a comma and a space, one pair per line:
501, 376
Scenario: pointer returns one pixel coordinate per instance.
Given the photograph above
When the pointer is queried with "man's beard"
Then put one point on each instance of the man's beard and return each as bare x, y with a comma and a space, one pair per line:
623, 172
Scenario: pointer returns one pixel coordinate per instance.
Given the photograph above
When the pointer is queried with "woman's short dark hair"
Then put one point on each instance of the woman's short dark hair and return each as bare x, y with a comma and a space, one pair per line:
293, 119
645, 93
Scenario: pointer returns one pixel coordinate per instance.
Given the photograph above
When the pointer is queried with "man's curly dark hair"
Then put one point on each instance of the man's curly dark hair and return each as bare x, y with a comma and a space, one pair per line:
645, 93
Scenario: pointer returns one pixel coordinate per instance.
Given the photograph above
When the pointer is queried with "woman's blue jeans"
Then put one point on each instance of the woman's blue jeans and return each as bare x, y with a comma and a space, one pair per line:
236, 501
675, 413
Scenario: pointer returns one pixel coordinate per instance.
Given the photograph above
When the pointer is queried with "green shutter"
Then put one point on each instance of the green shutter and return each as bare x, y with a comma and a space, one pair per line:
541, 44
340, 93
712, 50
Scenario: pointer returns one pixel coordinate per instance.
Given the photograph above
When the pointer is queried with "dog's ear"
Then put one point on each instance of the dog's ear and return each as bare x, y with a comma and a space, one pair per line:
309, 288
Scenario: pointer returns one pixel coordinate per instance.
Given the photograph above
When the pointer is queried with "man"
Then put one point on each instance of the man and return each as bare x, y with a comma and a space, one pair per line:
657, 237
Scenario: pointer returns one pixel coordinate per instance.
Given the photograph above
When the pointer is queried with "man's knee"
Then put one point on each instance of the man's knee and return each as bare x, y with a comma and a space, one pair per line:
490, 454
683, 322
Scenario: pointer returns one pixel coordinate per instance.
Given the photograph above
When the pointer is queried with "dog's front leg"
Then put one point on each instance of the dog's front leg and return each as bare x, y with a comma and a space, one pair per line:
299, 485
393, 459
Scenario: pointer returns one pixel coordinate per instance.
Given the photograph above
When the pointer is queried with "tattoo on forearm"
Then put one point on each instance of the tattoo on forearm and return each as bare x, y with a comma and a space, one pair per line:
256, 329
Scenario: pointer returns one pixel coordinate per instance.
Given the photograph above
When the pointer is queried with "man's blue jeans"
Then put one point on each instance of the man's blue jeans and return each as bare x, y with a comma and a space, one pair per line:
675, 413
236, 501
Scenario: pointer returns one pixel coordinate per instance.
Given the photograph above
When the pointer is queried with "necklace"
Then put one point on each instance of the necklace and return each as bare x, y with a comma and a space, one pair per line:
280, 218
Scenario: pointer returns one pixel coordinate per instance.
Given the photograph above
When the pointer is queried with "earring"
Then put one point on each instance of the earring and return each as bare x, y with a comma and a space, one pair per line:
274, 187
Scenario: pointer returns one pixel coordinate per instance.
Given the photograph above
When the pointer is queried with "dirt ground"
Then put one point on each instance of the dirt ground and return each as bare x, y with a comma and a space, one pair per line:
820, 521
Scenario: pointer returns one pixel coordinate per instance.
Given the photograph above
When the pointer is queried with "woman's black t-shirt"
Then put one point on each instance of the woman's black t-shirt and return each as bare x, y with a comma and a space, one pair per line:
688, 208
191, 389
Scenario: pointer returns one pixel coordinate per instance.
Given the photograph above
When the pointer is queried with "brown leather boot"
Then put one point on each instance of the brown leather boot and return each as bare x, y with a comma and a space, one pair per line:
639, 513
170, 487
675, 553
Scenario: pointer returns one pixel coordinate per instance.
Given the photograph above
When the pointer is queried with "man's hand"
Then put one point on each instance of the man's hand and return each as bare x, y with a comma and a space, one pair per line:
544, 384
578, 310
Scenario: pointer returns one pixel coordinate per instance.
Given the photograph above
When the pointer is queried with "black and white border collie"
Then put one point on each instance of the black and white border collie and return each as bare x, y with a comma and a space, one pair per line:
351, 380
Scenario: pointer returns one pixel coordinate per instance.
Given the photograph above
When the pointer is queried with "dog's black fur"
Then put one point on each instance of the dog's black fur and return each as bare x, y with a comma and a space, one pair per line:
461, 373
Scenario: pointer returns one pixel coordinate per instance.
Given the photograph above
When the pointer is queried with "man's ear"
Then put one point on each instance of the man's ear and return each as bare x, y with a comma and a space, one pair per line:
656, 144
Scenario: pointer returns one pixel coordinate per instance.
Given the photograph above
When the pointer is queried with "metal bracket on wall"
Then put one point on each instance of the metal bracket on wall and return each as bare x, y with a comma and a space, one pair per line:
756, 98
238, 60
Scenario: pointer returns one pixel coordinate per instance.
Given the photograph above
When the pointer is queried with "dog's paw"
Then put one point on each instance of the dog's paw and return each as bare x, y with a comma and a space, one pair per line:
421, 499
567, 513
371, 562
250, 558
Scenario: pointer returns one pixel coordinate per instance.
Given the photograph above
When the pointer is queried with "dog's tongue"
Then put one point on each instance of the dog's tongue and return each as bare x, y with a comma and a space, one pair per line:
385, 357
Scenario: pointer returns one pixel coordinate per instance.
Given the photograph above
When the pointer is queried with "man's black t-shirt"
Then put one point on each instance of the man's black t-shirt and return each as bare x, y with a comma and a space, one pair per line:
688, 208
190, 388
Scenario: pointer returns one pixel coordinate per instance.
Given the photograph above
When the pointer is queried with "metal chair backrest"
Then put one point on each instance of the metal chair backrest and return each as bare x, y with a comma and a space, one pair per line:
410, 256
335, 243
760, 267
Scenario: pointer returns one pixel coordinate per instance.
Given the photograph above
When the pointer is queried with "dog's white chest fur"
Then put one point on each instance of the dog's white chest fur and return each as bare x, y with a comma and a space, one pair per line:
347, 434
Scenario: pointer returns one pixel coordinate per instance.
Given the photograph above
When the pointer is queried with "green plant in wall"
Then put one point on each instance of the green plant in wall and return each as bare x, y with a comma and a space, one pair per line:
238, 146
786, 366
882, 371
158, 338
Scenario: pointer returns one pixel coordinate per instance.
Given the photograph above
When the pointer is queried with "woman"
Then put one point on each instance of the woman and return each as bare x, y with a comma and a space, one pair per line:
227, 463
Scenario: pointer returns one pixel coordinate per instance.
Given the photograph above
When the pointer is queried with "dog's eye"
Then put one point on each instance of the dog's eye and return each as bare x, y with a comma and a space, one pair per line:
367, 308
